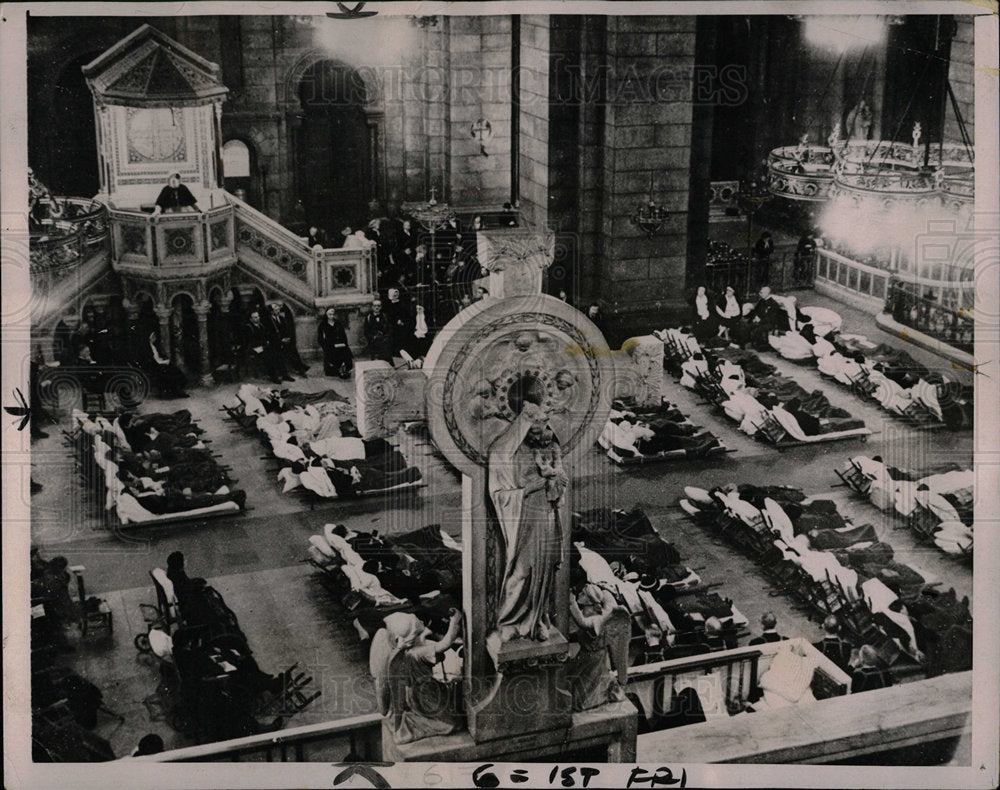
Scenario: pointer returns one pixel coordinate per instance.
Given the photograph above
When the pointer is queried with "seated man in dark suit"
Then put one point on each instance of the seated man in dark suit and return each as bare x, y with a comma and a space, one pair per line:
260, 346
715, 636
832, 646
869, 676
769, 624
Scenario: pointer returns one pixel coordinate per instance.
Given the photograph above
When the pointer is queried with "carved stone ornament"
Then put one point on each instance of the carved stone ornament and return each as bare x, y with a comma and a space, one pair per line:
474, 367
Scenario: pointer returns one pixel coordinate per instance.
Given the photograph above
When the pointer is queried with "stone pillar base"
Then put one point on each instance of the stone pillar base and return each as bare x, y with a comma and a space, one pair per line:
606, 733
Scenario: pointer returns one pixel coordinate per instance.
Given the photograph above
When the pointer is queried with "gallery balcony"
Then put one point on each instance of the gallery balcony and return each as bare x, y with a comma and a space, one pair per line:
64, 233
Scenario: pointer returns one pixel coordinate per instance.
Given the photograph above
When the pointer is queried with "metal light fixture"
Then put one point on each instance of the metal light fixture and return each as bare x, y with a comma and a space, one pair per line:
431, 215
649, 218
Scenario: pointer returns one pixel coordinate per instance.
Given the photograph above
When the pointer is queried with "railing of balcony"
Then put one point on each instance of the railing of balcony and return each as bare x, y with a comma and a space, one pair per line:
65, 231
951, 325
358, 738
837, 269
172, 240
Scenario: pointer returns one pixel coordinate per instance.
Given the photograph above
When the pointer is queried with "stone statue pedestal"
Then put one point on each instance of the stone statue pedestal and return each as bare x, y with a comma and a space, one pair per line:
603, 734
530, 692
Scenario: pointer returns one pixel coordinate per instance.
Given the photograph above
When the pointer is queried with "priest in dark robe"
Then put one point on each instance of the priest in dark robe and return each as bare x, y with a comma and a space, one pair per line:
175, 197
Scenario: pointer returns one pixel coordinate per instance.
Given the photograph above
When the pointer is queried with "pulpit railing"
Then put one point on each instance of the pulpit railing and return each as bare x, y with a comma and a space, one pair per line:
185, 239
331, 274
341, 272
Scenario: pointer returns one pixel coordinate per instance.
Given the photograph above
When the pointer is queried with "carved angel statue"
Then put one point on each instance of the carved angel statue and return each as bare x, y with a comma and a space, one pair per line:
601, 628
402, 660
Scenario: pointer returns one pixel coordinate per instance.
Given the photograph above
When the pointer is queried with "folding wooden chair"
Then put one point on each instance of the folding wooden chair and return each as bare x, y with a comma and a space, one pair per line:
855, 479
770, 428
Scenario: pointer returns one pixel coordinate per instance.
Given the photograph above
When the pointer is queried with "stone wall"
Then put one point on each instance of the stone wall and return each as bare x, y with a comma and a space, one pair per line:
961, 73
646, 140
533, 165
479, 71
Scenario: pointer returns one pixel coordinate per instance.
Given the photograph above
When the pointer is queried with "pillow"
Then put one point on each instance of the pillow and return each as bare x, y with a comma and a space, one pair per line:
789, 675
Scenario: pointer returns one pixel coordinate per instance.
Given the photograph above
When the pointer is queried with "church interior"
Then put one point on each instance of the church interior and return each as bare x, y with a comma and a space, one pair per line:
385, 368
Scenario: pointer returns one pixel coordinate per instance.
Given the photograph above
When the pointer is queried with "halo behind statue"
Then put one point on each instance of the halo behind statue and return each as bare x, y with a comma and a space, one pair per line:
496, 355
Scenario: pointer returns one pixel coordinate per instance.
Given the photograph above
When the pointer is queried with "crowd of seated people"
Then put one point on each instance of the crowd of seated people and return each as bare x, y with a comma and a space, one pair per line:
317, 445
835, 567
64, 704
938, 507
635, 434
754, 394
222, 692
153, 467
101, 346
419, 572
397, 327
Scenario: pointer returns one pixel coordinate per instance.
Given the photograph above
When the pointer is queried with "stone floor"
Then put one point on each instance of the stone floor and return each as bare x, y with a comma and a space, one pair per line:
256, 560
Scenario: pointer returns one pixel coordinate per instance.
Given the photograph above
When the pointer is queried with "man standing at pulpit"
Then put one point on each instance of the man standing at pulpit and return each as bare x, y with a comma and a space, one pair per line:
175, 197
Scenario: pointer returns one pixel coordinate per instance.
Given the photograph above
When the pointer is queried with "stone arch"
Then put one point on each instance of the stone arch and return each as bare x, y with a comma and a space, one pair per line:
308, 60
336, 140
251, 182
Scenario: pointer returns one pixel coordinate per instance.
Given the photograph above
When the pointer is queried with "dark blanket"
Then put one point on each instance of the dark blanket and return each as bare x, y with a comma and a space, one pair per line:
827, 539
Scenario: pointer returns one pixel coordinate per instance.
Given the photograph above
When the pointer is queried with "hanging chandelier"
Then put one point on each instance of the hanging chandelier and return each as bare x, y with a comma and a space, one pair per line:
892, 190
433, 216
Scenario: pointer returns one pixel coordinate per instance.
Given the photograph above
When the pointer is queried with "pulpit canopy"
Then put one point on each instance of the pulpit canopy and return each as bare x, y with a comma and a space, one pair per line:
149, 69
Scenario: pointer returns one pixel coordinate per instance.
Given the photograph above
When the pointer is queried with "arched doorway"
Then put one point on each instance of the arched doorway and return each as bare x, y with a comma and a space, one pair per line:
333, 146
238, 167
72, 160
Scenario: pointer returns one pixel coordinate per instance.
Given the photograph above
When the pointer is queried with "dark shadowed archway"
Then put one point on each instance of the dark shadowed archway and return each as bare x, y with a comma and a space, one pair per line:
72, 155
333, 148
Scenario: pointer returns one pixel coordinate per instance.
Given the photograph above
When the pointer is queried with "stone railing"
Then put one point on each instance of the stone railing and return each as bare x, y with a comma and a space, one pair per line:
332, 275
732, 674
866, 281
329, 742
184, 241
845, 730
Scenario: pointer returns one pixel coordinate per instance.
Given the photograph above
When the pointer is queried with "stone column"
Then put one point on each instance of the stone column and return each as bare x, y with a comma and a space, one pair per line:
201, 313
163, 316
